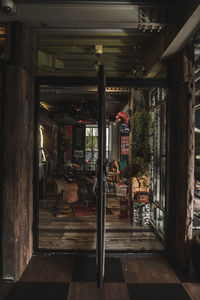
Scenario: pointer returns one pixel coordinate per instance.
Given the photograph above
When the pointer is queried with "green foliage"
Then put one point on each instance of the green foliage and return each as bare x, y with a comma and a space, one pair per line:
141, 127
141, 123
138, 167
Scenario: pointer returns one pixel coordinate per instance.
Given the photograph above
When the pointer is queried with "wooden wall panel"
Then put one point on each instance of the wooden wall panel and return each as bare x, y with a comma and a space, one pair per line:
18, 172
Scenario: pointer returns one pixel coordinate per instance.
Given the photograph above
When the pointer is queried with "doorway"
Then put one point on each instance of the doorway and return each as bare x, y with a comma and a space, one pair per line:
68, 135
68, 154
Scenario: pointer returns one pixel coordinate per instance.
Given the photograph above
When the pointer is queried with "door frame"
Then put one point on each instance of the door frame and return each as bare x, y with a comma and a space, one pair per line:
159, 107
64, 81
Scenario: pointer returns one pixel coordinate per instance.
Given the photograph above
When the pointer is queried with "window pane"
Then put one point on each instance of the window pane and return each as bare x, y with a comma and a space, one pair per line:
88, 131
95, 131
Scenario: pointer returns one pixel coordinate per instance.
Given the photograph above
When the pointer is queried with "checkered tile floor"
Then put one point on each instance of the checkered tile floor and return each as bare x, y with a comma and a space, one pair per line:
74, 278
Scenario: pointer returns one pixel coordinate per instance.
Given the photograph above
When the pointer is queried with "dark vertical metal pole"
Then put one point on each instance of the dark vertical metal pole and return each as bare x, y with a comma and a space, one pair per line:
172, 113
100, 177
2, 101
36, 171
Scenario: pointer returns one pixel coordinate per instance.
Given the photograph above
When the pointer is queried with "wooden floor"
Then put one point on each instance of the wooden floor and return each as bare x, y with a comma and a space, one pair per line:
154, 273
79, 233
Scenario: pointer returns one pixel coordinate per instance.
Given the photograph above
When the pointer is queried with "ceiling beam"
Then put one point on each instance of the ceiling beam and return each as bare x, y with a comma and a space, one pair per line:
78, 33
110, 82
52, 42
81, 90
190, 23
184, 35
82, 15
83, 73
122, 57
101, 2
153, 60
92, 32
85, 42
86, 50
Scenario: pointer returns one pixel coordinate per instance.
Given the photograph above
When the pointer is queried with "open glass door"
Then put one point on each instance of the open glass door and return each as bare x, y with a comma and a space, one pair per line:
158, 108
100, 250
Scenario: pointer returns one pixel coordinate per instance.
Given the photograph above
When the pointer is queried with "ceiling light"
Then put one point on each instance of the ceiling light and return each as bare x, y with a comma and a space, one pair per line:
98, 50
44, 105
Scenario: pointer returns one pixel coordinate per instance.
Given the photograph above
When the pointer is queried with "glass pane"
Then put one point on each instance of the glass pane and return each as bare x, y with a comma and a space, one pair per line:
95, 131
89, 139
158, 167
91, 146
163, 128
88, 131
160, 220
163, 182
95, 143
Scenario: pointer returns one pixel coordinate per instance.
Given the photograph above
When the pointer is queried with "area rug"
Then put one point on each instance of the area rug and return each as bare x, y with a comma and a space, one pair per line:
80, 210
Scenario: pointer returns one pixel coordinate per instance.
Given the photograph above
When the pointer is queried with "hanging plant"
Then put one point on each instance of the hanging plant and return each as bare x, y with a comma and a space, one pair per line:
141, 128
141, 150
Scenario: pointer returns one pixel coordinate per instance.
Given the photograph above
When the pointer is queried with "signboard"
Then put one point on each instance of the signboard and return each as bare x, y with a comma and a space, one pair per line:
124, 145
78, 145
